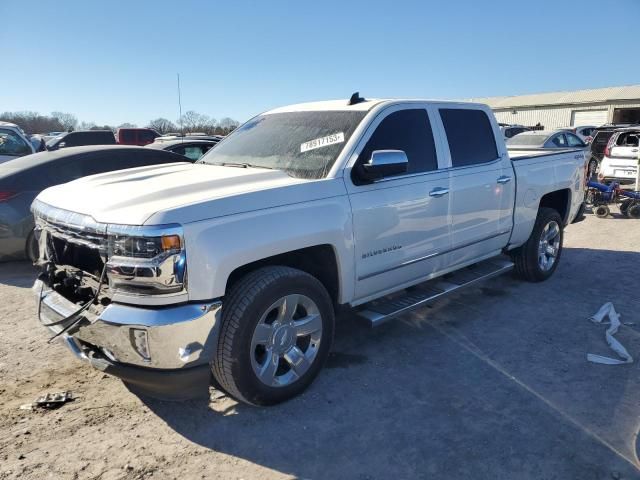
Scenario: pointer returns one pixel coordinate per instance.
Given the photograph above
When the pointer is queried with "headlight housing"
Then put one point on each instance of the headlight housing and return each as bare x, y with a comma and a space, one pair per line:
146, 260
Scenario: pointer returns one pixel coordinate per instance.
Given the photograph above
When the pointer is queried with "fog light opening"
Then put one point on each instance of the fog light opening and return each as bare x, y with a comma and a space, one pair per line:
140, 342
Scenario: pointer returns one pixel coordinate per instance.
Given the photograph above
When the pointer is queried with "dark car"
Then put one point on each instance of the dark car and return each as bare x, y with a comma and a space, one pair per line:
23, 178
191, 148
82, 137
136, 136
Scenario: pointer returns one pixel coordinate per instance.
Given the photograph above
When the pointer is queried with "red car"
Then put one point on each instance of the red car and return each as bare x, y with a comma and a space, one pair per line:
136, 136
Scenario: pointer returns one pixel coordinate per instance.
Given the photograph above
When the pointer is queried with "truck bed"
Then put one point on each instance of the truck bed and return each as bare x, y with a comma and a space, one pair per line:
539, 171
526, 153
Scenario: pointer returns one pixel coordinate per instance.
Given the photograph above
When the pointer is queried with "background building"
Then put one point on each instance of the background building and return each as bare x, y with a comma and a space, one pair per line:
561, 109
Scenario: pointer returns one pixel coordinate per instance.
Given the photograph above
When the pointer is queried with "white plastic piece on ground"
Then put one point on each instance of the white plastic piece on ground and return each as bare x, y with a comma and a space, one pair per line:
607, 310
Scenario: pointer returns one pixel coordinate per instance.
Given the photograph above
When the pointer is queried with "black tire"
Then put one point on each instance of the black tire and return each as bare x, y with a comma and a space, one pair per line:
634, 211
246, 303
526, 258
31, 249
624, 206
601, 211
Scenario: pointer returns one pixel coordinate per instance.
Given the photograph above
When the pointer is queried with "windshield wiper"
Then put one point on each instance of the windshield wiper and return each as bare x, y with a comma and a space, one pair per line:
240, 165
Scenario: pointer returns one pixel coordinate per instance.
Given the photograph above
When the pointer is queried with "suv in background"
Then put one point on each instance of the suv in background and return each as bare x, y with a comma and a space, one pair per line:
13, 142
136, 136
601, 136
620, 157
82, 137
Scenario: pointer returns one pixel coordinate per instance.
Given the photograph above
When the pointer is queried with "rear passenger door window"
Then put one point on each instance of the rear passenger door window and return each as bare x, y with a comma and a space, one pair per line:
470, 136
409, 131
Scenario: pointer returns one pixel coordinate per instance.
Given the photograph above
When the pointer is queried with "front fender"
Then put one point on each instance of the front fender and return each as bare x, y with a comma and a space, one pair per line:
216, 247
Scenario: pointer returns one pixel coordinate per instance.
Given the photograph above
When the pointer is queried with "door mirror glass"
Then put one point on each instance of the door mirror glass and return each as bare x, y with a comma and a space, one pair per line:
385, 163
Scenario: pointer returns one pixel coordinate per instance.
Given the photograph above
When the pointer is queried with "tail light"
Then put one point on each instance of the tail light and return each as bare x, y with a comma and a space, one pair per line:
607, 149
6, 195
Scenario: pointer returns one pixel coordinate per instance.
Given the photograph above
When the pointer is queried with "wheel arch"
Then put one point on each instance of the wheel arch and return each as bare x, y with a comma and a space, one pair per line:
319, 261
560, 201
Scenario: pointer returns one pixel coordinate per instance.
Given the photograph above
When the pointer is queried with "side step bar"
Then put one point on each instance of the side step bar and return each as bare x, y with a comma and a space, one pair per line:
381, 310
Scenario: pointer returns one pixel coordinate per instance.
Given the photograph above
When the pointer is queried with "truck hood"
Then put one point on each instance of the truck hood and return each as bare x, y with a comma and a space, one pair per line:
183, 193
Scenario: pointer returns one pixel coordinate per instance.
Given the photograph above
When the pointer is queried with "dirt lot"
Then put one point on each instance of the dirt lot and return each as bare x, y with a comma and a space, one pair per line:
490, 384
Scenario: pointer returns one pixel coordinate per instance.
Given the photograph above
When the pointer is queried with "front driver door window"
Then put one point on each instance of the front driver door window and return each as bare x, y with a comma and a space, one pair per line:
574, 141
401, 232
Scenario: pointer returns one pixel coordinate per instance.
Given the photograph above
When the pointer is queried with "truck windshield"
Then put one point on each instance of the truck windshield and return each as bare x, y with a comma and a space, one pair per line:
302, 144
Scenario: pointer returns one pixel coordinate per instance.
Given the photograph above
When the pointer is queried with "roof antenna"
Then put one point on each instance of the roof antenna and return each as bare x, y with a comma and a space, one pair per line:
180, 107
356, 98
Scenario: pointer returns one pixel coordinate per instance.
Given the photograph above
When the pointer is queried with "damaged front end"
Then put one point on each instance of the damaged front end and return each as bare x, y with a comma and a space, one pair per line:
117, 296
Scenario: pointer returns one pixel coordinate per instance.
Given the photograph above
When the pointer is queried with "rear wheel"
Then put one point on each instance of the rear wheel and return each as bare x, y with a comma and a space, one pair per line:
624, 206
634, 211
538, 258
277, 328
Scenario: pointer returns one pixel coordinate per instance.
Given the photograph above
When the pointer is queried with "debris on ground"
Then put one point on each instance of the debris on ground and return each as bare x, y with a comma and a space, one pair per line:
607, 310
50, 401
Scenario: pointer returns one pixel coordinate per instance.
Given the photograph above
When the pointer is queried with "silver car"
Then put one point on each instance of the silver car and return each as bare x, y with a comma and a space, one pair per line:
552, 139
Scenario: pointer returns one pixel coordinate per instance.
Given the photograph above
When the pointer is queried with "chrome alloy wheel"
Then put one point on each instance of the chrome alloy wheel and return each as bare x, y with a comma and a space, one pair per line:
286, 340
549, 246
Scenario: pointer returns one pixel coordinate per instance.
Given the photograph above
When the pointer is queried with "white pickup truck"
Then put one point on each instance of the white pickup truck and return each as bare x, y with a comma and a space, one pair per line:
233, 267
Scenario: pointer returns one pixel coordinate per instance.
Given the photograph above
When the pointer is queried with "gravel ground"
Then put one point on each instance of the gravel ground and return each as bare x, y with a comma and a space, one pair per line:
492, 383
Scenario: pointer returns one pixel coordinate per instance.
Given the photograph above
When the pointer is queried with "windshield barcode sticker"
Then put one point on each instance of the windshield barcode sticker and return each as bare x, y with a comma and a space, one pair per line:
322, 142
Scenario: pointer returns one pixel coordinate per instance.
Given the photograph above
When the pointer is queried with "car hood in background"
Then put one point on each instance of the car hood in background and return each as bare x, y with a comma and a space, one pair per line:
183, 193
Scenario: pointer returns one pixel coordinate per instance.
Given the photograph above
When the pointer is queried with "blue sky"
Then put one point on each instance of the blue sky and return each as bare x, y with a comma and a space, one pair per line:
114, 62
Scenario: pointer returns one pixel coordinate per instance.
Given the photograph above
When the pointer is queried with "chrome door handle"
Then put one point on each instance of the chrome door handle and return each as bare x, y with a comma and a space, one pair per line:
504, 179
438, 192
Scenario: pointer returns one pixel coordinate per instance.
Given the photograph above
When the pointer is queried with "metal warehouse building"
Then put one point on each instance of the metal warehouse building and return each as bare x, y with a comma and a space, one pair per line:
561, 109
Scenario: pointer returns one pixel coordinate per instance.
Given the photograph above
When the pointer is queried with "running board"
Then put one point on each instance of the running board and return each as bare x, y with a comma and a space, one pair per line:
379, 311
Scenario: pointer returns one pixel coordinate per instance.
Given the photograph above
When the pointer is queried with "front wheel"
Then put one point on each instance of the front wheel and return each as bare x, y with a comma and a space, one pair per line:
277, 329
602, 211
538, 258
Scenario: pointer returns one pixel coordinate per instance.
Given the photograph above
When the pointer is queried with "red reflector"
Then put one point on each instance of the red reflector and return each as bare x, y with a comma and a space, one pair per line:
4, 195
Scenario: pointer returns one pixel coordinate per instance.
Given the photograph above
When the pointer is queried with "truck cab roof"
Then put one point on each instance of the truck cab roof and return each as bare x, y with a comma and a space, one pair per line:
364, 105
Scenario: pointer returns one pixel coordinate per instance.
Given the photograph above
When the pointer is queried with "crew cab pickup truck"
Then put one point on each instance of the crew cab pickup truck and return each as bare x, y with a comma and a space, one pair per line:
231, 269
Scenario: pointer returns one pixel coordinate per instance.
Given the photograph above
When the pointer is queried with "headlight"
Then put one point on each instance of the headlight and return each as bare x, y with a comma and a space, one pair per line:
144, 247
146, 260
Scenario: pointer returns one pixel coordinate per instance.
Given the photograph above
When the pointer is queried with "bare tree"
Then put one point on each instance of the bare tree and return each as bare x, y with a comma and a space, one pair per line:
86, 125
32, 122
162, 125
196, 122
227, 125
127, 125
68, 121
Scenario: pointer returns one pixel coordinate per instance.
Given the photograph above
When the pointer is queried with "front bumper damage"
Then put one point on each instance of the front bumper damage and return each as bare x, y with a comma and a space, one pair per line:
163, 352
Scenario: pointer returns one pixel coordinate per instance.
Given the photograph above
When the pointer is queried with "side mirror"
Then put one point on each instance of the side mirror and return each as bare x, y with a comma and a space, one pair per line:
384, 163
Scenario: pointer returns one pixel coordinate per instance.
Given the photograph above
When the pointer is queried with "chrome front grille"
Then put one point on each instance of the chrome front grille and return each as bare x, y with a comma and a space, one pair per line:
77, 236
71, 227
